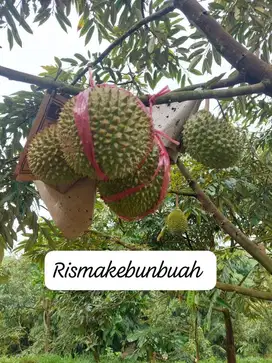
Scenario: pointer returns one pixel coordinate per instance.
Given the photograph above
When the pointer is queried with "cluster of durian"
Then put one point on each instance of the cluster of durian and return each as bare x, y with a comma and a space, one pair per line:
124, 146
214, 142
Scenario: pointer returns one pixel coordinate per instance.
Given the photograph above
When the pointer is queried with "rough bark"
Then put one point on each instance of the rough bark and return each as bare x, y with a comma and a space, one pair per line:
230, 346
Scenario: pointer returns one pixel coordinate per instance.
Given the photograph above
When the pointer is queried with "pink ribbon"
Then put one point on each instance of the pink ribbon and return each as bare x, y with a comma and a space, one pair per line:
81, 117
152, 99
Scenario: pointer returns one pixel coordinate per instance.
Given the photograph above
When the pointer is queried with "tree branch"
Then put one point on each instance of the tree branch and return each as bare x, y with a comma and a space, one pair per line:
42, 82
255, 69
264, 295
180, 96
207, 94
118, 41
224, 223
222, 83
187, 194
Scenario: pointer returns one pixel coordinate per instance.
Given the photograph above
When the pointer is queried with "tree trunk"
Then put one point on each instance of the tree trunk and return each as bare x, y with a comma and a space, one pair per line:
96, 356
196, 339
47, 324
231, 354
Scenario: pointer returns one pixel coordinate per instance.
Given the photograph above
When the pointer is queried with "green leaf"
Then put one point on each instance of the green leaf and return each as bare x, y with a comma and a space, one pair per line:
9, 19
151, 45
16, 36
18, 17
179, 41
89, 35
42, 14
61, 23
194, 62
195, 53
64, 18
214, 80
73, 62
113, 14
58, 62
86, 27
216, 56
81, 58
45, 18
10, 38
198, 44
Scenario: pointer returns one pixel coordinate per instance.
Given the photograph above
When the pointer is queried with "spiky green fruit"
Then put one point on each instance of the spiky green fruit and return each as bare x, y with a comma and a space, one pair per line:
46, 160
142, 201
121, 128
211, 141
177, 222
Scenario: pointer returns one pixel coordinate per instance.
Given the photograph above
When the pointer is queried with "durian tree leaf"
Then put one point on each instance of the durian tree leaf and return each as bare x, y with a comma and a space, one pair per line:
194, 62
43, 14
61, 22
151, 45
64, 18
81, 58
10, 38
216, 56
17, 37
18, 17
89, 34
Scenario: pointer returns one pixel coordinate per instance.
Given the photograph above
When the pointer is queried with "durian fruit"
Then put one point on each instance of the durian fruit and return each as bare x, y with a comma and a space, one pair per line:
140, 202
177, 181
122, 133
176, 222
46, 160
213, 142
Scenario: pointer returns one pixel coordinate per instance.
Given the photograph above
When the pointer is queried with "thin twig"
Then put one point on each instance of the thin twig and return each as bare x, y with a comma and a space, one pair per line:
222, 83
186, 194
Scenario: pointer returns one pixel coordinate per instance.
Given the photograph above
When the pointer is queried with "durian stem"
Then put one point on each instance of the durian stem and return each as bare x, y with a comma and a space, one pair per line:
177, 201
224, 223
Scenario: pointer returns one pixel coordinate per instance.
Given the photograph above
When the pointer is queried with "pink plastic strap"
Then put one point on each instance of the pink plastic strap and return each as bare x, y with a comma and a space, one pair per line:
167, 137
129, 191
152, 99
81, 116
164, 162
164, 188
